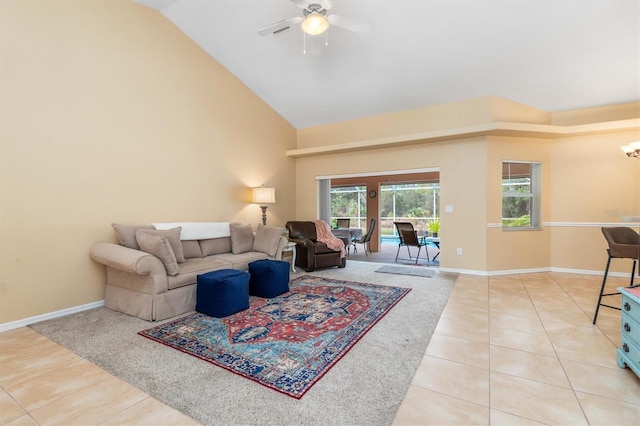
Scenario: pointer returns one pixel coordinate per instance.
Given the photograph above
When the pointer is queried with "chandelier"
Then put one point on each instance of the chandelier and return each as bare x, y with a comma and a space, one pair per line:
632, 149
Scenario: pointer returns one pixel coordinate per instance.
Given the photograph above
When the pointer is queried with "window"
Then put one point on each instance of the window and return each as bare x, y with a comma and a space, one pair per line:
520, 195
418, 203
349, 202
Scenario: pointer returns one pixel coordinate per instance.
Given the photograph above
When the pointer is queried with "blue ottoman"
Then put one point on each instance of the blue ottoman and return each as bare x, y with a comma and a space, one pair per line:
222, 293
269, 278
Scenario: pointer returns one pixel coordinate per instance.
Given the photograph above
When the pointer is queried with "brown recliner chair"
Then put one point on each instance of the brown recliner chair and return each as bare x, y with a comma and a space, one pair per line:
312, 254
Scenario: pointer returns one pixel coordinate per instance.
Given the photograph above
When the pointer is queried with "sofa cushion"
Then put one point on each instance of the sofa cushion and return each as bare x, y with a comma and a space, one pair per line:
191, 249
173, 235
321, 248
159, 246
241, 261
215, 246
127, 234
267, 239
190, 269
241, 238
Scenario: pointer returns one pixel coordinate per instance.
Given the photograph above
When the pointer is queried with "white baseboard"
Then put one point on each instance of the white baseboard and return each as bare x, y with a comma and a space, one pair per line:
494, 273
533, 271
38, 318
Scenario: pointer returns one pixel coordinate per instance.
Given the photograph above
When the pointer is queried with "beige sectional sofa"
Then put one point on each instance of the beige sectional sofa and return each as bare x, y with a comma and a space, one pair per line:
151, 273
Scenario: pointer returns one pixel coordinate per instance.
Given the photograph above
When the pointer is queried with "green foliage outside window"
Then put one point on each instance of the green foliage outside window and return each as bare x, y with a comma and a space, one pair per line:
518, 222
417, 203
520, 194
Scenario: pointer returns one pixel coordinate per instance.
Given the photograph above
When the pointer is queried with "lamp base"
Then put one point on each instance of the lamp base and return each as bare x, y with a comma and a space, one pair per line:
264, 215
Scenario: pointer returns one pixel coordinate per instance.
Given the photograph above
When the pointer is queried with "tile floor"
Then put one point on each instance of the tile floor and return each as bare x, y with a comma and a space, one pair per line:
521, 350
508, 350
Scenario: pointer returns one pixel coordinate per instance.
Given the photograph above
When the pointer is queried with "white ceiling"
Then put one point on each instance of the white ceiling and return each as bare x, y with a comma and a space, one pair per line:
550, 54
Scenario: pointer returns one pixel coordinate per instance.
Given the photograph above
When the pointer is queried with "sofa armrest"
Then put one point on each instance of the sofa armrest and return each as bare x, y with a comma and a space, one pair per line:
306, 256
282, 241
304, 243
126, 259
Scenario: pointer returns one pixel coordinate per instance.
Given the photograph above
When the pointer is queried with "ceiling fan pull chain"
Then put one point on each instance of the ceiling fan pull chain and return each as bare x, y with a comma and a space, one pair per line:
326, 38
304, 43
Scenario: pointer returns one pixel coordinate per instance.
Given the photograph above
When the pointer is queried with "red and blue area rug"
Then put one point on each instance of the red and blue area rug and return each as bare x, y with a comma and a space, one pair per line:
289, 342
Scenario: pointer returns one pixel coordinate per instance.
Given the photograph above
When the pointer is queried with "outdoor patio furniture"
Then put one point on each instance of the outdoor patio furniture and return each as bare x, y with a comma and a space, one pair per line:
409, 238
364, 240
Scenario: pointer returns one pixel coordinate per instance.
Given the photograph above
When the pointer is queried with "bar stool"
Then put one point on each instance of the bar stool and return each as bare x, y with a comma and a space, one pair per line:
624, 243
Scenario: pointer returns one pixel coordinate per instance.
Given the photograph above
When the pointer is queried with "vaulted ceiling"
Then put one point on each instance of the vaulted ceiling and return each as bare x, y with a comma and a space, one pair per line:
549, 54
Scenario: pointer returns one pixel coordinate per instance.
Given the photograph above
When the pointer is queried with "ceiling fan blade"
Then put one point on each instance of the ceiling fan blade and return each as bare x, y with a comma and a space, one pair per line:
302, 4
327, 4
349, 24
280, 27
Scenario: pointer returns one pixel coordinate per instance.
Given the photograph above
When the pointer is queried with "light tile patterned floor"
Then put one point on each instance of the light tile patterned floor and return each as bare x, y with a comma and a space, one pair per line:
520, 350
517, 349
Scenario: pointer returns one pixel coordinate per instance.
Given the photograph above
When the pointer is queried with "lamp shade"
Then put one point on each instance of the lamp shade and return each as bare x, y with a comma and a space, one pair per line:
314, 24
263, 195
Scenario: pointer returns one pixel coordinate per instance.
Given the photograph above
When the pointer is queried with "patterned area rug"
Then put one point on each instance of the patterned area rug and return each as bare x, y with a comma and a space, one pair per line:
289, 342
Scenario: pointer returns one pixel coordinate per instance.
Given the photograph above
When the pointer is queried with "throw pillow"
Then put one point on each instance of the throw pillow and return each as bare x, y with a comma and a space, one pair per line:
241, 238
127, 234
158, 245
267, 240
173, 235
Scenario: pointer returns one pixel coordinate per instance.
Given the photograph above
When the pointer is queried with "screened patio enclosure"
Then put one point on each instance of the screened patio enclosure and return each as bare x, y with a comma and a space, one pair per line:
418, 203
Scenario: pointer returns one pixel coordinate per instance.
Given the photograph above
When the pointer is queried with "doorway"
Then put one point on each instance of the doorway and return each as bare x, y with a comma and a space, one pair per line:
369, 195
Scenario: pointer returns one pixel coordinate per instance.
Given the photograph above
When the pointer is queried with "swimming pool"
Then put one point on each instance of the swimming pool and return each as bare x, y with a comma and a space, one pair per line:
392, 239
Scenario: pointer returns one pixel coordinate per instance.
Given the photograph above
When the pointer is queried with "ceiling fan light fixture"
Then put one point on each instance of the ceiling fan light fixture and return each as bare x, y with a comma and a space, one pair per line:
314, 24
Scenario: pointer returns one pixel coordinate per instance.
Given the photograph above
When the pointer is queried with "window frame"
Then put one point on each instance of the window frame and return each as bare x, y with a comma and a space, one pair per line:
534, 196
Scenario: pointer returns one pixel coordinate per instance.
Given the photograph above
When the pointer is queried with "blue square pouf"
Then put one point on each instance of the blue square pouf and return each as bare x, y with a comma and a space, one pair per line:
269, 278
222, 293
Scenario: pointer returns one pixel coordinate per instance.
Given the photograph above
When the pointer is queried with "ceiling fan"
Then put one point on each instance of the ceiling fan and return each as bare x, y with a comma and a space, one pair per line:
314, 20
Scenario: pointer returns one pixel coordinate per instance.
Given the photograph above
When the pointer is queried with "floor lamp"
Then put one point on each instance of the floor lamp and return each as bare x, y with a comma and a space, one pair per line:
263, 195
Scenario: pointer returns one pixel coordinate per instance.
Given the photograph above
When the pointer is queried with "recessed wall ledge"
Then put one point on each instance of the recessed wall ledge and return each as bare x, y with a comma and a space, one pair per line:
545, 131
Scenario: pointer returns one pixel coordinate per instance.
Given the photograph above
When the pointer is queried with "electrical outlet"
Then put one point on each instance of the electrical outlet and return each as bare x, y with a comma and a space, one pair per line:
459, 251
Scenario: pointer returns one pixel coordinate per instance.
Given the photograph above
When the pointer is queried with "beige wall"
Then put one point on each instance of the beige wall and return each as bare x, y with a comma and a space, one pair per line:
597, 114
109, 113
509, 249
455, 114
592, 183
586, 180
462, 185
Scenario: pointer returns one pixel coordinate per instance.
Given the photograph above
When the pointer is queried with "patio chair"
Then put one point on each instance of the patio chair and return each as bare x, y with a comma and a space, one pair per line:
409, 238
343, 223
624, 243
366, 238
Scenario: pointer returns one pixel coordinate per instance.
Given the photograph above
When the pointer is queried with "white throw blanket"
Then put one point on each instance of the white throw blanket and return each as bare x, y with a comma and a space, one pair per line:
198, 230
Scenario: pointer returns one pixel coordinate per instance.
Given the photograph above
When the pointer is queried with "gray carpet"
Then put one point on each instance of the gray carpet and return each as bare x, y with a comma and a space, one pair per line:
365, 387
407, 270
